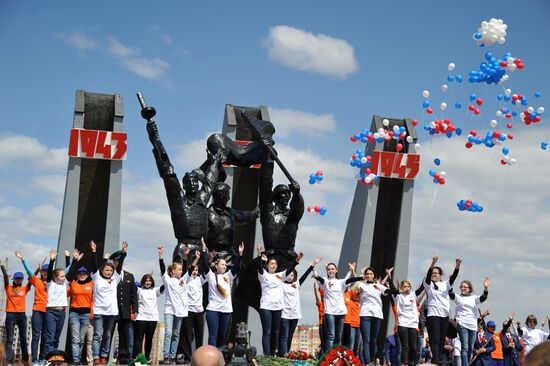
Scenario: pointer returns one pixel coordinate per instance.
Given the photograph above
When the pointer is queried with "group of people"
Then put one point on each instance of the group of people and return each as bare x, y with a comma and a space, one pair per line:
350, 310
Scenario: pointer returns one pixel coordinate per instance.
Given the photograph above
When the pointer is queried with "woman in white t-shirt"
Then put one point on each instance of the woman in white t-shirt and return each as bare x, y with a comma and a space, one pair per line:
292, 310
530, 334
175, 307
220, 282
334, 304
56, 307
438, 306
148, 315
271, 302
466, 315
370, 314
106, 280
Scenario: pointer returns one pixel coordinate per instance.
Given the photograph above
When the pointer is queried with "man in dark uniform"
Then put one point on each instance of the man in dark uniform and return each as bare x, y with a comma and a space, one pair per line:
127, 308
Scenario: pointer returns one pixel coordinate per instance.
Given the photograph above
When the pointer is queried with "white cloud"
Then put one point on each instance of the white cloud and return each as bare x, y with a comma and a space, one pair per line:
287, 121
39, 221
53, 184
118, 49
22, 152
305, 51
167, 39
152, 69
78, 40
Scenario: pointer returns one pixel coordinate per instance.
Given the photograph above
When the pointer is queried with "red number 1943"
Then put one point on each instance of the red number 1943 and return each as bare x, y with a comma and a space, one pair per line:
95, 144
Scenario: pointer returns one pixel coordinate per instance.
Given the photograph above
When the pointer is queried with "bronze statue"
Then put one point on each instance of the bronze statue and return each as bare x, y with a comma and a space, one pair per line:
222, 220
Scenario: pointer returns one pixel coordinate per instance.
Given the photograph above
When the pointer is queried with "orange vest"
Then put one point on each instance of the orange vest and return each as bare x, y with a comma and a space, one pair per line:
15, 298
352, 317
40, 294
321, 307
82, 295
497, 353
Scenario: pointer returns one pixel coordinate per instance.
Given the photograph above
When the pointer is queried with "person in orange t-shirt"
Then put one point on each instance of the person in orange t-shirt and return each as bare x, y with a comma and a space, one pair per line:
16, 295
39, 307
352, 334
319, 295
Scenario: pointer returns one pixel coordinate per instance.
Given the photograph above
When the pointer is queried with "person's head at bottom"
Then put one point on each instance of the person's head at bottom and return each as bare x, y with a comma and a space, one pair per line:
539, 355
207, 356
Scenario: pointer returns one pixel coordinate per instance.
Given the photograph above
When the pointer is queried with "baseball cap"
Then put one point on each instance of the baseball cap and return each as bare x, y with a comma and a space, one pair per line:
18, 276
45, 267
82, 269
491, 323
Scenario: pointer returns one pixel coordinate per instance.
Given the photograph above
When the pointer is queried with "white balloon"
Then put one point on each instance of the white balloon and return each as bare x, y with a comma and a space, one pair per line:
499, 113
540, 110
368, 179
409, 139
444, 126
442, 173
512, 161
381, 130
443, 106
508, 91
426, 94
395, 128
493, 123
432, 124
506, 158
444, 88
364, 160
530, 109
376, 135
511, 67
386, 122
417, 146
451, 67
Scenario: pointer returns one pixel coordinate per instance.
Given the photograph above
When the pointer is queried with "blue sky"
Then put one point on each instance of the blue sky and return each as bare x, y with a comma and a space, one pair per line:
323, 69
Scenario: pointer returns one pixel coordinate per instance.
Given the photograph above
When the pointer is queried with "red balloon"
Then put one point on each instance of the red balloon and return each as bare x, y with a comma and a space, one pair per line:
317, 208
503, 63
469, 145
473, 132
429, 110
503, 162
363, 182
471, 107
509, 125
367, 171
479, 101
369, 158
399, 147
508, 115
319, 172
477, 111
414, 122
510, 136
353, 139
437, 176
441, 180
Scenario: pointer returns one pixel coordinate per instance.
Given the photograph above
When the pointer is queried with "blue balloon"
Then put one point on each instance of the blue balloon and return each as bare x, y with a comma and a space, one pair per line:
458, 131
311, 180
537, 94
450, 78
472, 97
477, 36
505, 150
458, 78
319, 178
543, 145
426, 104
524, 101
323, 211
514, 113
507, 98
437, 161
432, 172
458, 105
500, 96
449, 134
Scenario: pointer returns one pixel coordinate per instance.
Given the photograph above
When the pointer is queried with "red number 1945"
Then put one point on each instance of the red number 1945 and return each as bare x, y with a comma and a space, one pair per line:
395, 165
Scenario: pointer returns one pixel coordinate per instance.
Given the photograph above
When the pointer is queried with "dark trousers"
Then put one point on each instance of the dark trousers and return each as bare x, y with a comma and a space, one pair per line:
54, 324
408, 338
437, 331
370, 326
19, 320
144, 329
192, 327
123, 338
288, 326
38, 335
218, 327
271, 320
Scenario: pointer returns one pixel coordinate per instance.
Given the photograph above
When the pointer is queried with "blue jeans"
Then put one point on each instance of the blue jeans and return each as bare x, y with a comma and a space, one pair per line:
218, 327
271, 320
334, 327
19, 320
78, 324
38, 335
172, 326
369, 331
103, 331
288, 326
54, 324
467, 340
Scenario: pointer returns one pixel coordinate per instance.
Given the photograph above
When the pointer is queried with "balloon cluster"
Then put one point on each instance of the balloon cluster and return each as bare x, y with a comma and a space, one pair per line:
316, 177
365, 136
491, 32
489, 72
472, 108
506, 159
490, 140
360, 160
317, 210
438, 177
442, 126
529, 115
469, 205
367, 177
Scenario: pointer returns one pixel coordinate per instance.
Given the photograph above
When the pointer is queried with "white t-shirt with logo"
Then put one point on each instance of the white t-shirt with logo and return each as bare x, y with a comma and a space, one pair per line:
334, 295
531, 337
407, 310
272, 290
176, 295
291, 301
105, 293
466, 311
370, 299
147, 304
438, 300
194, 293
57, 294
216, 301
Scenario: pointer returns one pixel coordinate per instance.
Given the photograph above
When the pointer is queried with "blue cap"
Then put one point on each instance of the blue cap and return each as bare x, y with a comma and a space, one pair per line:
82, 269
137, 283
45, 267
491, 323
18, 276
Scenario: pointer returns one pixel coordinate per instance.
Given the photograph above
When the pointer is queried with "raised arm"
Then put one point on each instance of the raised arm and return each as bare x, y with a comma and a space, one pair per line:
454, 275
195, 262
93, 248
387, 276
237, 260
122, 257
294, 264
296, 204
428, 278
452, 294
319, 279
308, 271
77, 256
486, 283
419, 290
19, 255
5, 274
263, 259
53, 254
162, 267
